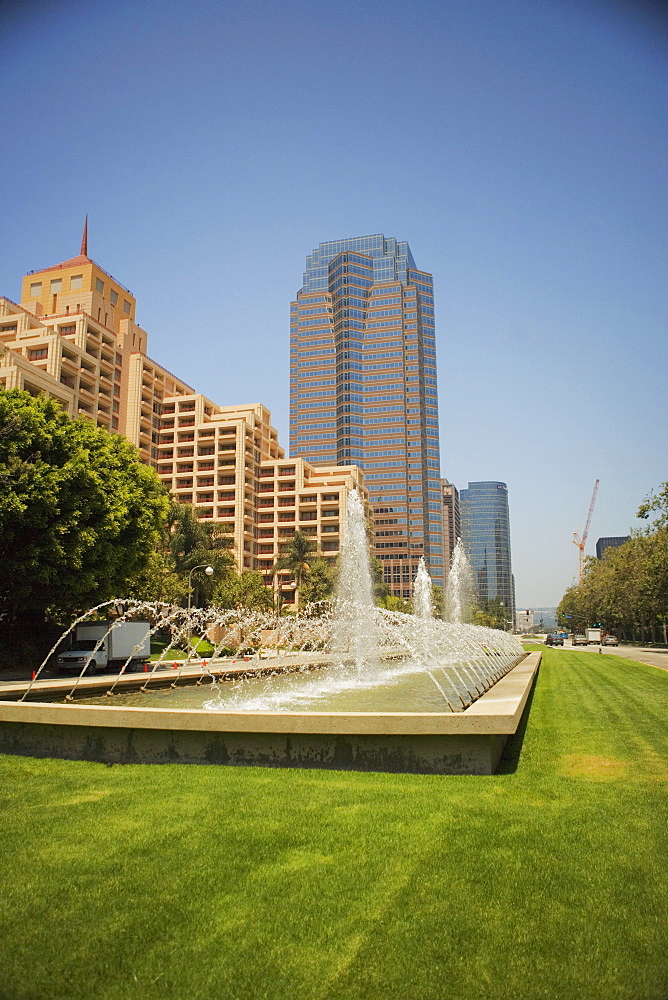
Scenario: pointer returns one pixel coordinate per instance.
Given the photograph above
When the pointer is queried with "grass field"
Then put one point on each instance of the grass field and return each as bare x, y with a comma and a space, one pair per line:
548, 881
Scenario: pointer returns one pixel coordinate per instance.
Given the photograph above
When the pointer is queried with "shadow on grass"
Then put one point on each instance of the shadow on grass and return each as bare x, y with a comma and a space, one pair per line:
513, 748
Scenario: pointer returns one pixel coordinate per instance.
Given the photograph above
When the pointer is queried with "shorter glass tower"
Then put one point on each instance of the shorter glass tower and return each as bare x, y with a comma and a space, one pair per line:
486, 536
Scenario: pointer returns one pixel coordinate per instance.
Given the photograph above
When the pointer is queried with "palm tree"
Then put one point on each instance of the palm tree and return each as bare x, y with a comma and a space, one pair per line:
191, 542
295, 559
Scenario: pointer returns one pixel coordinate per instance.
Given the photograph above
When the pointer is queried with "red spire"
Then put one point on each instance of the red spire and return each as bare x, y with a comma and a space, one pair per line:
84, 239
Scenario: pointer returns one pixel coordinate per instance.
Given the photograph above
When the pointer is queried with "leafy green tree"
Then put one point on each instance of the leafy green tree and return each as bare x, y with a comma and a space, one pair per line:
492, 614
319, 584
159, 581
437, 600
79, 512
656, 502
381, 591
392, 603
243, 590
627, 590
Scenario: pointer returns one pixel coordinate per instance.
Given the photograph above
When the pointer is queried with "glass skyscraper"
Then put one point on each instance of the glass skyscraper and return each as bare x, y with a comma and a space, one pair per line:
485, 522
363, 391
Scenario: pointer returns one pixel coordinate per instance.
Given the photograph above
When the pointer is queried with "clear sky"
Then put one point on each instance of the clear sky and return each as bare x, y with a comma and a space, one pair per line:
519, 147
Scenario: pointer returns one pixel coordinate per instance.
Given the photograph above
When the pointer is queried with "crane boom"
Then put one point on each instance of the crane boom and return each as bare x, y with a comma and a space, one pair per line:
581, 542
591, 511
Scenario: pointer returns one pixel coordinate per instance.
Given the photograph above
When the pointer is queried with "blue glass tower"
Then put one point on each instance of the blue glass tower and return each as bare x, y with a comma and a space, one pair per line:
485, 520
363, 391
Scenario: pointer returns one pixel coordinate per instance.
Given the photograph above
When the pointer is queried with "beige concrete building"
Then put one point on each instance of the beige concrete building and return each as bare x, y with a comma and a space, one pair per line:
293, 495
226, 461
74, 337
452, 522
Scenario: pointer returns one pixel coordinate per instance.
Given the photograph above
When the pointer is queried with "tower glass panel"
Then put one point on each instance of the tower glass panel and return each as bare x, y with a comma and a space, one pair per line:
363, 390
485, 521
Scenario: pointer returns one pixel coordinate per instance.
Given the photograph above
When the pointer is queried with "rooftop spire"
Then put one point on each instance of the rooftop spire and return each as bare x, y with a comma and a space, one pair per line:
84, 239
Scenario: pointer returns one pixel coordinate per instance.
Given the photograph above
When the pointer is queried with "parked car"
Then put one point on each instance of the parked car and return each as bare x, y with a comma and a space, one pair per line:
610, 640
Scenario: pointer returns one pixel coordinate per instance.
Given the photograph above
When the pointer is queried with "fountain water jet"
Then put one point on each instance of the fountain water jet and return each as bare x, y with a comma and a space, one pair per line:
422, 596
366, 688
459, 588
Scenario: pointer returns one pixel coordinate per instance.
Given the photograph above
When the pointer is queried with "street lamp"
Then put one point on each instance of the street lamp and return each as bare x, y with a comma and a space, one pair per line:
284, 588
209, 572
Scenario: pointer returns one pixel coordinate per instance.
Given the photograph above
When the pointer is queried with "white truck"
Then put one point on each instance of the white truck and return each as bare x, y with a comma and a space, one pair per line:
91, 651
593, 636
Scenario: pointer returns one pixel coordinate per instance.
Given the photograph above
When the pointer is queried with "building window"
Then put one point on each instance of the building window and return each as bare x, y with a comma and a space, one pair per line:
36, 289
99, 285
56, 286
126, 307
76, 281
113, 297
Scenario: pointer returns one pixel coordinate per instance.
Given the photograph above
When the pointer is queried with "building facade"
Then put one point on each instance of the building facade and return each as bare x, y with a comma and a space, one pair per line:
610, 542
486, 536
452, 522
74, 337
363, 391
226, 461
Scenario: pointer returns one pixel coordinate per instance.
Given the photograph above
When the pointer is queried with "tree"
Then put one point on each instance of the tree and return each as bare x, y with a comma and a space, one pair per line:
295, 558
159, 581
243, 590
492, 614
79, 512
438, 600
627, 590
319, 584
192, 543
381, 591
656, 502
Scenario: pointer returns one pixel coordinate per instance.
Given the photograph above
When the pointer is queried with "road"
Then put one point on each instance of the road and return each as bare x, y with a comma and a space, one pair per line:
652, 657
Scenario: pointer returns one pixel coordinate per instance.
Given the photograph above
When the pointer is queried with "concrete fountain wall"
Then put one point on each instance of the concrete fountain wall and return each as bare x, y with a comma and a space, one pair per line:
468, 742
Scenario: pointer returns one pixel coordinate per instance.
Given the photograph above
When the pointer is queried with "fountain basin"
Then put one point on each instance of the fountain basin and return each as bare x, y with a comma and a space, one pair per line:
468, 742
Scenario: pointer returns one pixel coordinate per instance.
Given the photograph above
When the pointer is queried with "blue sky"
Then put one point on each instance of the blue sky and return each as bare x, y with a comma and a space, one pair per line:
519, 147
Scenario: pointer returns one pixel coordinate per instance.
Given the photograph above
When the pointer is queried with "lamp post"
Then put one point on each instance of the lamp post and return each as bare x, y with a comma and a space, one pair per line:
209, 572
284, 588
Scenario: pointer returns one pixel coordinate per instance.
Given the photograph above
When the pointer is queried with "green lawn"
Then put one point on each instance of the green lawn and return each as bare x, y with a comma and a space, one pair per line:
548, 881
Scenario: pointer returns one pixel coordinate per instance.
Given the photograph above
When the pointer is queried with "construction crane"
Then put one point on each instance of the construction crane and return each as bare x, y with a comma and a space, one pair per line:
581, 542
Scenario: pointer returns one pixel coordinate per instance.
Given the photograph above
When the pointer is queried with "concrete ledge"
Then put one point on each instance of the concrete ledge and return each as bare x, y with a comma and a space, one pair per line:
450, 743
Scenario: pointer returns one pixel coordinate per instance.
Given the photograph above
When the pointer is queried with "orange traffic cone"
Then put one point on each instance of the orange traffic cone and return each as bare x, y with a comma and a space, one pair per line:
34, 675
146, 668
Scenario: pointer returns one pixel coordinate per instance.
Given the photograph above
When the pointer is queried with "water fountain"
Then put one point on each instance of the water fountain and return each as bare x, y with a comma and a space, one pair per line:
344, 685
459, 588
